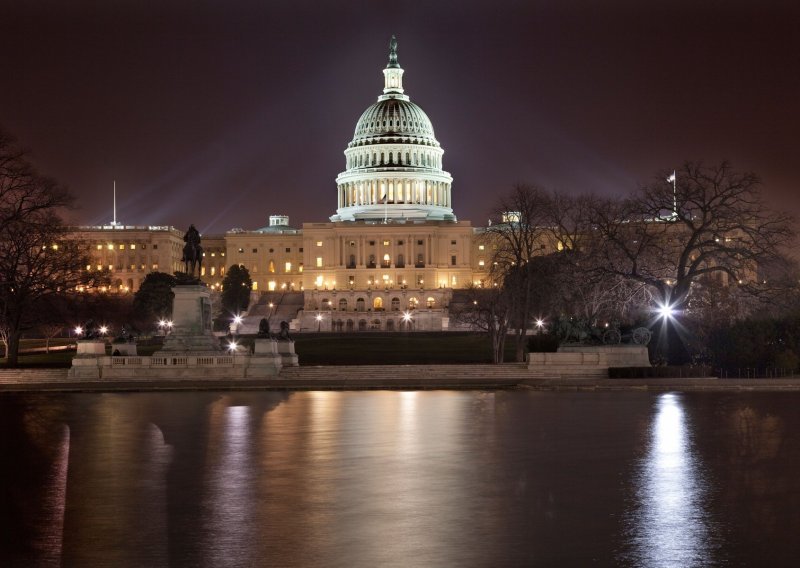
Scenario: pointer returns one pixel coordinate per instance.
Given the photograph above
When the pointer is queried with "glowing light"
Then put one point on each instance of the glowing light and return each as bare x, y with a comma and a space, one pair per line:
407, 317
666, 311
103, 329
237, 319
232, 346
540, 323
319, 317
78, 330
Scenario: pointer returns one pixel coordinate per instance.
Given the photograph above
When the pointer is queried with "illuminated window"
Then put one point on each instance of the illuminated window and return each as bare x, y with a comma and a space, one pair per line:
213, 270
288, 267
318, 281
222, 254
213, 254
319, 243
121, 247
453, 281
480, 247
111, 267
241, 249
386, 243
155, 266
203, 271
300, 267
133, 246
255, 285
110, 246
99, 267
271, 285
133, 267
319, 262
271, 267
222, 271
480, 262
88, 267
99, 247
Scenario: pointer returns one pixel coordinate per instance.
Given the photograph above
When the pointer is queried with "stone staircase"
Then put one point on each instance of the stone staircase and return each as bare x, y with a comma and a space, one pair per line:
408, 376
284, 308
18, 376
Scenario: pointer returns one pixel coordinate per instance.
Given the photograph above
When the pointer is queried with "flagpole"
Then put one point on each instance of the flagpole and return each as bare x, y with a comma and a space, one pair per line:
115, 203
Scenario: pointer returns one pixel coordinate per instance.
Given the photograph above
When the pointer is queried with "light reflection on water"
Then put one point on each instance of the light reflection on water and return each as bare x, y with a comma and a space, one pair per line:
670, 525
401, 479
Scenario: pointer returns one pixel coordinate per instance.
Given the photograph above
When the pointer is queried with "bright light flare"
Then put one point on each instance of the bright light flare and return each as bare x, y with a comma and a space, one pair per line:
540, 323
233, 346
666, 311
78, 330
103, 329
406, 317
319, 317
237, 319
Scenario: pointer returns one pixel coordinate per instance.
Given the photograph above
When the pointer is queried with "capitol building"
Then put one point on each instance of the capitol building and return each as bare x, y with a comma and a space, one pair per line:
390, 258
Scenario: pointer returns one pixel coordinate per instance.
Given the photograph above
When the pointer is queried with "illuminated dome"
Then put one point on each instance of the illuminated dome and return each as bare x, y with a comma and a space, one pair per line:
393, 120
394, 162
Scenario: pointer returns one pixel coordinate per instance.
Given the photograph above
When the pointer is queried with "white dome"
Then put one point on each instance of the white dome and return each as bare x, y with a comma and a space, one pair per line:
394, 162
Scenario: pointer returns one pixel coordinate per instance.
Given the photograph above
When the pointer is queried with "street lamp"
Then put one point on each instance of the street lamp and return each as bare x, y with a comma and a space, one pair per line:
319, 322
539, 325
103, 330
237, 321
78, 331
666, 311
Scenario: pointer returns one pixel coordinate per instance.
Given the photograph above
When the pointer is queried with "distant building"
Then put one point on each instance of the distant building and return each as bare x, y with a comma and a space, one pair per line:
388, 259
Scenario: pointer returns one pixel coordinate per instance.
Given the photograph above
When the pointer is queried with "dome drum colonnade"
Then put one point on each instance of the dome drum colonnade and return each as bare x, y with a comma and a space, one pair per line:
394, 161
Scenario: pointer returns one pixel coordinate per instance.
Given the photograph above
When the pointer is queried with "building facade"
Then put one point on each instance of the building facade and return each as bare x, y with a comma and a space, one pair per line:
388, 259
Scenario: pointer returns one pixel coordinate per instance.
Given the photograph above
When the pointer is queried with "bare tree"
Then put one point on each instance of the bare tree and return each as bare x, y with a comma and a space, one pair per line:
712, 222
37, 257
50, 330
516, 237
488, 309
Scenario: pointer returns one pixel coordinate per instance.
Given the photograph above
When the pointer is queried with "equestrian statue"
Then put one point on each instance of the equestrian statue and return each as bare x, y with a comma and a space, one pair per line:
192, 252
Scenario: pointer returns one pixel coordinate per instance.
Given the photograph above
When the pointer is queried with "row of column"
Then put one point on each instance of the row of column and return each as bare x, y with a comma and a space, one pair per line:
378, 192
409, 249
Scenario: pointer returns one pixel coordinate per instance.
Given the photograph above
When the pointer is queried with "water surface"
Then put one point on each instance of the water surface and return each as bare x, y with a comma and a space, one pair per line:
435, 478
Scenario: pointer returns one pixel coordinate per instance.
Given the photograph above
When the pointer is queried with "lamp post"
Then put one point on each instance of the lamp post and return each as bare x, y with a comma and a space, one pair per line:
237, 321
319, 322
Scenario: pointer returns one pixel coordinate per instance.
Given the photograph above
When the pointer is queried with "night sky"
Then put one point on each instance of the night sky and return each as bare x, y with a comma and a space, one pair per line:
222, 113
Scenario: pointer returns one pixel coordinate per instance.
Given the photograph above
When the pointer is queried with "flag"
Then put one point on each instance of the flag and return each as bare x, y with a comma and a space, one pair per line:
671, 179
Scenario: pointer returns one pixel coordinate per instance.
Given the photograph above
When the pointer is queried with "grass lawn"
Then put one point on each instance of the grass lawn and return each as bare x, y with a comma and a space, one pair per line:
393, 348
340, 349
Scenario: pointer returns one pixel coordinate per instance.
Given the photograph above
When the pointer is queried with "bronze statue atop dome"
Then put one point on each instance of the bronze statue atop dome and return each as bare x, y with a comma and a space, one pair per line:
393, 52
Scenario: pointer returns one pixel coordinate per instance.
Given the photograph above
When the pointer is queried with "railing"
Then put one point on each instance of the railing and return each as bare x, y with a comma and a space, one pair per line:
177, 361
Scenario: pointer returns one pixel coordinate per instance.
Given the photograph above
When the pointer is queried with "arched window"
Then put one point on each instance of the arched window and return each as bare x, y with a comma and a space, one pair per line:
350, 325
431, 302
391, 158
272, 267
362, 325
377, 303
326, 304
343, 305
387, 260
360, 305
389, 325
375, 324
400, 261
413, 303
339, 325
395, 304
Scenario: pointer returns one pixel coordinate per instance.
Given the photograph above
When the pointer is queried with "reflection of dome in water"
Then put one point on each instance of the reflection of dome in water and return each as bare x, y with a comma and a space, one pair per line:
394, 162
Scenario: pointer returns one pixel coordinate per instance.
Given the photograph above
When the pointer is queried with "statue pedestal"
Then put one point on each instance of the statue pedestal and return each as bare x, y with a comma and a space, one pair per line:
191, 321
91, 348
126, 349
265, 360
287, 354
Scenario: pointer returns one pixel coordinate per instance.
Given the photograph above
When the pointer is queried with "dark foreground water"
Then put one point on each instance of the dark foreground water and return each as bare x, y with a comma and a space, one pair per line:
373, 479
